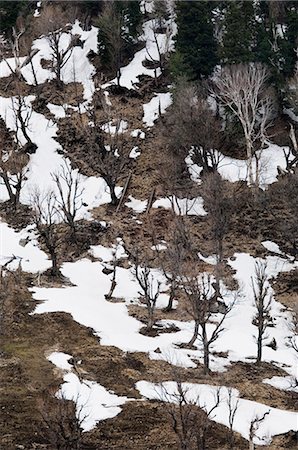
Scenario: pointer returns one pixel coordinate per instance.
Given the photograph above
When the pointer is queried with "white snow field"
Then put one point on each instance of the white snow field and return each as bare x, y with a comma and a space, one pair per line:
158, 104
93, 401
78, 68
233, 169
130, 74
46, 160
276, 422
86, 302
20, 247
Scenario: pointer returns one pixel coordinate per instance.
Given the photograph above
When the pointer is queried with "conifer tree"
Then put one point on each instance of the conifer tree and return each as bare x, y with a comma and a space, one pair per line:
238, 32
196, 47
9, 12
118, 25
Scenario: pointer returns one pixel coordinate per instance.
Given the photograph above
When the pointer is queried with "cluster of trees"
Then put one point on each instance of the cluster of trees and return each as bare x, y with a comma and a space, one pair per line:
234, 32
119, 26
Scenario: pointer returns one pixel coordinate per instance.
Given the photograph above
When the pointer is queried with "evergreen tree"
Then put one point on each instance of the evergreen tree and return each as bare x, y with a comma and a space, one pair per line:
9, 12
239, 32
276, 41
195, 43
290, 42
118, 26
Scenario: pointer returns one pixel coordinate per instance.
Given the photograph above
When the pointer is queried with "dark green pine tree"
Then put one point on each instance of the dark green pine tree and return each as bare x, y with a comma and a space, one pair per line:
290, 42
133, 16
239, 29
9, 12
276, 38
196, 47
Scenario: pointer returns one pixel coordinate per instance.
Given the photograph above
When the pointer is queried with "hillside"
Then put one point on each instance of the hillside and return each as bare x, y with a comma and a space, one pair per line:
148, 219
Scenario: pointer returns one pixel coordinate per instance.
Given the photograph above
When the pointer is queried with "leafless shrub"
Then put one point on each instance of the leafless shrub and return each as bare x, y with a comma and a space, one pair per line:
194, 126
46, 217
202, 303
190, 419
69, 199
61, 423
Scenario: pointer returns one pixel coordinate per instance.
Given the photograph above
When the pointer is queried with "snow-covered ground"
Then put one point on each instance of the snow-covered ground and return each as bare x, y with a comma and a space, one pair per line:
276, 422
85, 299
49, 159
93, 402
20, 247
86, 302
152, 42
233, 169
157, 105
77, 69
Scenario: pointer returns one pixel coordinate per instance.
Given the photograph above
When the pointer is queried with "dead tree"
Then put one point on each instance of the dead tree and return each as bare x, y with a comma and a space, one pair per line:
262, 303
194, 126
13, 174
190, 420
201, 304
52, 23
242, 89
233, 406
220, 201
61, 422
254, 426
150, 287
69, 198
46, 217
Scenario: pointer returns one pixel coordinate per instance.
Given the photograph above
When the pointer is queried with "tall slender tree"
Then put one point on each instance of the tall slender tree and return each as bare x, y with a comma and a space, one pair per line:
239, 29
196, 47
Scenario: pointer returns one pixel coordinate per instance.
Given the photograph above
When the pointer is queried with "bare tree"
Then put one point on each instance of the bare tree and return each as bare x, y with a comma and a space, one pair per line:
53, 24
106, 153
22, 115
202, 303
13, 174
46, 217
162, 46
174, 256
254, 426
233, 406
149, 286
190, 419
61, 423
291, 156
262, 302
219, 198
69, 199
242, 88
194, 126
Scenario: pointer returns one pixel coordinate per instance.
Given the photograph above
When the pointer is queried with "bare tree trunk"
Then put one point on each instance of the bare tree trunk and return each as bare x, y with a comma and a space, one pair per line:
5, 179
249, 154
169, 306
206, 349
195, 334
260, 345
54, 269
151, 320
111, 186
